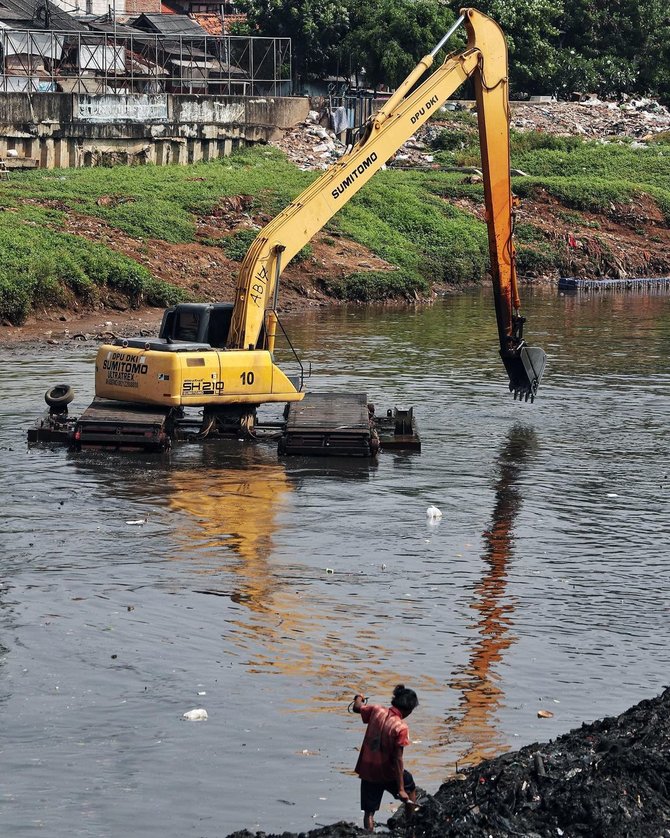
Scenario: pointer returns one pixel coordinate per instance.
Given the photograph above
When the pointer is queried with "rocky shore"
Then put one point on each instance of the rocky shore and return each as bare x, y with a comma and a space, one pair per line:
608, 779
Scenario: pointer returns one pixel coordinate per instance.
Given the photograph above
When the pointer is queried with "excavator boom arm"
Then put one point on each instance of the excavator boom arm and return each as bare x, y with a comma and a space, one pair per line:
485, 60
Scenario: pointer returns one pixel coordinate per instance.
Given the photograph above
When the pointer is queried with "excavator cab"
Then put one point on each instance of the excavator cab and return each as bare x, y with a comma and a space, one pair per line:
206, 323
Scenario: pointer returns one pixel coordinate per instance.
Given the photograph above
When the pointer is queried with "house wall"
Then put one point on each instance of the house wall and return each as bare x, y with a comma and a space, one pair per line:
61, 130
136, 7
101, 7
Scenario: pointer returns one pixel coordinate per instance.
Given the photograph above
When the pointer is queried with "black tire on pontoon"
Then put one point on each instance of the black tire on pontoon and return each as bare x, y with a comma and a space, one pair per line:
59, 396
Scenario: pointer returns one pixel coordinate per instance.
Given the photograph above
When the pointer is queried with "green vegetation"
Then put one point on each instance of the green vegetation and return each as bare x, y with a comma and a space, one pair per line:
371, 285
236, 246
162, 202
584, 175
388, 37
404, 217
555, 46
400, 219
39, 266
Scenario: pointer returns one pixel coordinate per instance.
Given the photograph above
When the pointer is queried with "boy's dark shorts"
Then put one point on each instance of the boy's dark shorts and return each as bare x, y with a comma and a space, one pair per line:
372, 793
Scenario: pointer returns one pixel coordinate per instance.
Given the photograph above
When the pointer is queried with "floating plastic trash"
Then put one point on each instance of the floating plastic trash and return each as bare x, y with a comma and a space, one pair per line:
433, 513
197, 715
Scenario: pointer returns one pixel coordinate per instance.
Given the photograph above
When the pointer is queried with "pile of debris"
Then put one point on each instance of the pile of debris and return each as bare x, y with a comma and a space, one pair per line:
638, 119
609, 778
312, 145
309, 145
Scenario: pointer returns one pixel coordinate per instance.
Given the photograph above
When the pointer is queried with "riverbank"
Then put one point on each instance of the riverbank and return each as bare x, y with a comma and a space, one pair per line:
607, 779
123, 239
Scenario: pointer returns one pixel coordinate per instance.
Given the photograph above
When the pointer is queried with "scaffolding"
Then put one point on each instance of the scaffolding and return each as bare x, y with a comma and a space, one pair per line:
129, 62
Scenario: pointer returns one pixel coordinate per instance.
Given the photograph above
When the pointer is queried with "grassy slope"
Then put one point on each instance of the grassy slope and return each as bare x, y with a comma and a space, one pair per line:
586, 176
401, 216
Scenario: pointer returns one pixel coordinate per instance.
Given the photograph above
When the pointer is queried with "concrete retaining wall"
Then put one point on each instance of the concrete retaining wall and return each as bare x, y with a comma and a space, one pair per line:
63, 130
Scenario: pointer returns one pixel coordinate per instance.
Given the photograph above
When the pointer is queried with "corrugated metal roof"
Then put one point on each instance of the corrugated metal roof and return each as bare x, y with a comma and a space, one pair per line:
169, 25
38, 14
108, 28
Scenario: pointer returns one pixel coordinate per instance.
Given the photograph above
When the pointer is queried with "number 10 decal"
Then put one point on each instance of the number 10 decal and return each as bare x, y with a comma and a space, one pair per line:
247, 378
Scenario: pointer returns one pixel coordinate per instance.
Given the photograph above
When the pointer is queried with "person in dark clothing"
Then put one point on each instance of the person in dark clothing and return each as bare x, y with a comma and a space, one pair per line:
380, 762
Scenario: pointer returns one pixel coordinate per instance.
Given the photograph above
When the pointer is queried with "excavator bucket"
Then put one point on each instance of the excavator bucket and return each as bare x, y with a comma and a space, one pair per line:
525, 369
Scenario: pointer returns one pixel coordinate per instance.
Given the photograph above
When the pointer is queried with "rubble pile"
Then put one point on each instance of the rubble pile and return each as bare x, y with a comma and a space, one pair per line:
606, 779
311, 145
638, 119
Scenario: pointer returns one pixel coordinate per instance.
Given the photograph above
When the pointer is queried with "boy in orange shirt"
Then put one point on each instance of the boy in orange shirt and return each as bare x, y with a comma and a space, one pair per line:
380, 762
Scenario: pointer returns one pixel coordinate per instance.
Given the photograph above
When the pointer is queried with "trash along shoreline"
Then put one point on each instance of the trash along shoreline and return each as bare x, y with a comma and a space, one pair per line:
606, 779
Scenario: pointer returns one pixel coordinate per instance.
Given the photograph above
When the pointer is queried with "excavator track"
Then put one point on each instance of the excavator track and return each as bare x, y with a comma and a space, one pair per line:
116, 425
107, 424
345, 425
329, 424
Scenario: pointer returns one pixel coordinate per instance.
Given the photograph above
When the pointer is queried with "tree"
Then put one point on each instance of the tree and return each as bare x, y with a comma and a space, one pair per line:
316, 29
604, 46
388, 37
531, 28
655, 62
622, 46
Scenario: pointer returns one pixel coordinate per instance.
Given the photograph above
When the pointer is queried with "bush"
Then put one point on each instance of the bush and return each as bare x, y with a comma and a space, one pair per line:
303, 254
535, 259
41, 266
374, 286
15, 299
236, 246
525, 141
449, 140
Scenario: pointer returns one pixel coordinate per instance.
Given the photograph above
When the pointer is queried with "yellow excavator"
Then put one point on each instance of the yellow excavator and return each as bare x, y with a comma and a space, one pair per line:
220, 356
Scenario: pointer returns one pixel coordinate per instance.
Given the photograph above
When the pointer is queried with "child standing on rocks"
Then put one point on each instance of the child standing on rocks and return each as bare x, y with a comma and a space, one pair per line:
380, 762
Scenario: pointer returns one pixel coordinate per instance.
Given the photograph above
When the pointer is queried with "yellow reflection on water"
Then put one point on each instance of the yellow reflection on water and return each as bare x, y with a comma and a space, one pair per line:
232, 512
293, 623
295, 626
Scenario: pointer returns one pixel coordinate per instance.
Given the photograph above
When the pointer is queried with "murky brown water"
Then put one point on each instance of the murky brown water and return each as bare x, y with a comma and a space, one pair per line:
544, 586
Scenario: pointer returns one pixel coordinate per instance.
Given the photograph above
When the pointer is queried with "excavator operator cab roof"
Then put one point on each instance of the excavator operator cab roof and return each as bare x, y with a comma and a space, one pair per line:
202, 323
188, 327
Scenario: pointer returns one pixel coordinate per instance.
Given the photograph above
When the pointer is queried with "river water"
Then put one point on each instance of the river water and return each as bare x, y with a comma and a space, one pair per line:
269, 591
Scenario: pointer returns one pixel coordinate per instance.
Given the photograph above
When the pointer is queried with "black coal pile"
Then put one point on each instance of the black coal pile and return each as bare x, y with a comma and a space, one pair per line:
609, 779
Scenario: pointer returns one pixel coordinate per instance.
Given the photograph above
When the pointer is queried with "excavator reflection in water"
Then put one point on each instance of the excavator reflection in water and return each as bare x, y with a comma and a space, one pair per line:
481, 697
231, 511
293, 633
234, 509
232, 529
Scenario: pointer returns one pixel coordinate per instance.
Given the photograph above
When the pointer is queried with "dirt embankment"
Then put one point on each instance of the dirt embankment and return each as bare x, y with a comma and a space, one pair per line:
628, 240
609, 779
203, 271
